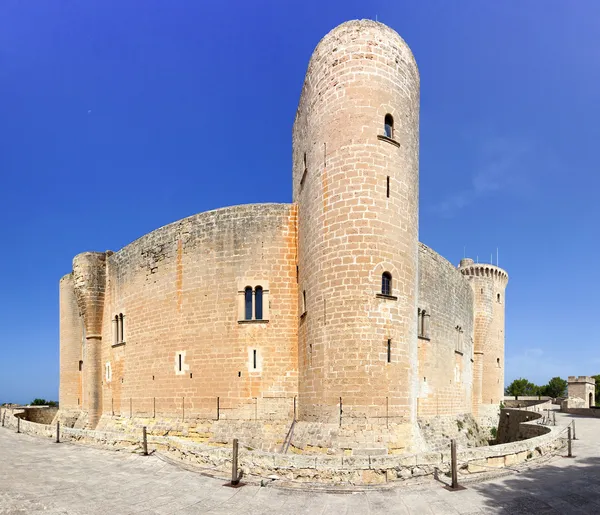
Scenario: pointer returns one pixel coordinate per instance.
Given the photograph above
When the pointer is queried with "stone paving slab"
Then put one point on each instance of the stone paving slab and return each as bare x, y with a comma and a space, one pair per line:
37, 475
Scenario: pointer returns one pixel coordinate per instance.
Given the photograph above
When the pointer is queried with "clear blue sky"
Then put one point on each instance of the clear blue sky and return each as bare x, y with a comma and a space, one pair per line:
117, 117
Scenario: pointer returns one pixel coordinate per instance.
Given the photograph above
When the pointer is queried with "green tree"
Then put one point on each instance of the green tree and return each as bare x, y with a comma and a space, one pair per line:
522, 387
597, 379
44, 402
556, 387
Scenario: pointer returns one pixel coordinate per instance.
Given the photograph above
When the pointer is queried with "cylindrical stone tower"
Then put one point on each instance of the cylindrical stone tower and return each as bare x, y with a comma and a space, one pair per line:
89, 277
355, 180
489, 285
71, 343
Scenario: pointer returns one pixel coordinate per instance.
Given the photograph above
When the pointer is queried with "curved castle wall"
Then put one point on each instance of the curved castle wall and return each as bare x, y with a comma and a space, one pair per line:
180, 291
351, 228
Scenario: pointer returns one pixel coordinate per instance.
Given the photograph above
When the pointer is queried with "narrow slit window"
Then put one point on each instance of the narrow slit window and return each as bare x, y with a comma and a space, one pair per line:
498, 297
386, 283
80, 365
180, 362
248, 303
389, 126
258, 303
254, 358
304, 301
389, 350
388, 187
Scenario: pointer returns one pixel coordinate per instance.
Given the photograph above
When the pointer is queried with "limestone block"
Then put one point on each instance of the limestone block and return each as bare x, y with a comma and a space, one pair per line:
495, 462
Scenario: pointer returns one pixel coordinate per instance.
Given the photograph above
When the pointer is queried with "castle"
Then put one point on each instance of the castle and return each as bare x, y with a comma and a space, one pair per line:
327, 311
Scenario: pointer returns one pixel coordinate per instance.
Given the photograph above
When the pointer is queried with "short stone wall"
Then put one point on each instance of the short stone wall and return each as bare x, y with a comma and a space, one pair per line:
584, 412
337, 470
39, 414
516, 425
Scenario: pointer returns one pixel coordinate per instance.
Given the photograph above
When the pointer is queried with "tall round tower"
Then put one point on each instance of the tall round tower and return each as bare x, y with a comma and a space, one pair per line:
355, 180
489, 285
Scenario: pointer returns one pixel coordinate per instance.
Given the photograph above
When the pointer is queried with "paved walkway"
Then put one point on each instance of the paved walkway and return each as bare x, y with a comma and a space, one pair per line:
37, 475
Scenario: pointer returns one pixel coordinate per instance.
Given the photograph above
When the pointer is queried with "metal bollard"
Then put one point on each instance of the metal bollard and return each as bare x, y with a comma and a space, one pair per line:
454, 467
145, 441
574, 436
554, 418
57, 431
234, 464
570, 454
19, 425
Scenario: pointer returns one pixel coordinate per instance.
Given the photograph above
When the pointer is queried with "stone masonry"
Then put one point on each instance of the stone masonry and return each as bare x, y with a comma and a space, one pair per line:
322, 326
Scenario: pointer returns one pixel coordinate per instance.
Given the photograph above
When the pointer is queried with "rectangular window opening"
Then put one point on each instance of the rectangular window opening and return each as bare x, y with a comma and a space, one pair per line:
254, 358
180, 362
389, 351
388, 186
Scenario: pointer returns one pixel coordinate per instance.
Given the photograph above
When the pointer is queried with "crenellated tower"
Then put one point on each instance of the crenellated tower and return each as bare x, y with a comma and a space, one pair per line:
355, 180
489, 285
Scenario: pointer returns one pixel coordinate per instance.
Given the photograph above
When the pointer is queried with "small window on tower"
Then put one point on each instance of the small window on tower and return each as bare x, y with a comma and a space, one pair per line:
498, 297
386, 283
80, 365
389, 126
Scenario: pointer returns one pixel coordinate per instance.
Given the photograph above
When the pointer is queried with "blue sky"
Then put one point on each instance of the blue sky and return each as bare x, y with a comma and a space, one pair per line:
117, 117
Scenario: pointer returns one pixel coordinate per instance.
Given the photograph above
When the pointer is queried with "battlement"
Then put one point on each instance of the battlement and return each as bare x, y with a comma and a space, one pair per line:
581, 379
471, 269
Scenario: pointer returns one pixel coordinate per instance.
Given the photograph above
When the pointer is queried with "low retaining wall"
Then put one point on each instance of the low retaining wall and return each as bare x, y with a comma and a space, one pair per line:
516, 425
353, 470
584, 412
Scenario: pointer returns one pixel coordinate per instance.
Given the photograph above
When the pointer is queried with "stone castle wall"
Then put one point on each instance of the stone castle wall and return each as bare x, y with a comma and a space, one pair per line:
179, 290
446, 350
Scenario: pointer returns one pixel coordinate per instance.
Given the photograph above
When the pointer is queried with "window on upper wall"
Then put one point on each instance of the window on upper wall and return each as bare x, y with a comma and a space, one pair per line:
258, 303
80, 365
389, 350
498, 297
253, 302
108, 372
422, 323
248, 303
386, 283
388, 126
118, 329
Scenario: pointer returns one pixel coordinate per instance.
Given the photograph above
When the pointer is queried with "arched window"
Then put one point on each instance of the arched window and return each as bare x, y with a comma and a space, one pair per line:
248, 302
258, 303
121, 331
386, 283
389, 125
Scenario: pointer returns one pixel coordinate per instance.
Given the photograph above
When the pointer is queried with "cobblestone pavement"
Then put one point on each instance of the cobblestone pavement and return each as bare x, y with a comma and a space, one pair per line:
37, 475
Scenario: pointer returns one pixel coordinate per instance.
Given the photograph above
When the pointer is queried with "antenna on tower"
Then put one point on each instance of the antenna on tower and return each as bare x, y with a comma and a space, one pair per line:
477, 259
375, 16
